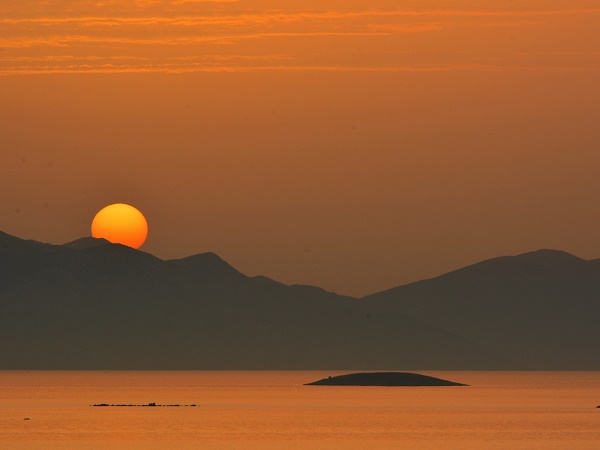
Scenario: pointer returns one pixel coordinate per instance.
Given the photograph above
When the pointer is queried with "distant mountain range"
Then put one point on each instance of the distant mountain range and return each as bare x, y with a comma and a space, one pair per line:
90, 304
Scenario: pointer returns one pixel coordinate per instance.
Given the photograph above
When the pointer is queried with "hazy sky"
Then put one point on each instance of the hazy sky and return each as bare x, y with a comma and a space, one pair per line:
352, 145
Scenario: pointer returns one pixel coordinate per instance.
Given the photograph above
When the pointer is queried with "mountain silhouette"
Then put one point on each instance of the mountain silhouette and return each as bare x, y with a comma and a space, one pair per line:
90, 304
538, 308
86, 242
112, 307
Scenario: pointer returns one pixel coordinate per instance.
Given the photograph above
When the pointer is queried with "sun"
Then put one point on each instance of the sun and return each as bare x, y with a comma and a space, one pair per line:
121, 224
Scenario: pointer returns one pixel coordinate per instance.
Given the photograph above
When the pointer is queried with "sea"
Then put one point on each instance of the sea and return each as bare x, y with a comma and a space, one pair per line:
275, 410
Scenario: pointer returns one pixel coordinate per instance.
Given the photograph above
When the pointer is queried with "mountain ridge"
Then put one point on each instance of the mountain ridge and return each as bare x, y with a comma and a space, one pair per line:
86, 242
113, 307
539, 307
532, 256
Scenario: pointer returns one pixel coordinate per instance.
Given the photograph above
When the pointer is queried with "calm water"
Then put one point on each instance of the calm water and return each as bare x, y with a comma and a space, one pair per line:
273, 410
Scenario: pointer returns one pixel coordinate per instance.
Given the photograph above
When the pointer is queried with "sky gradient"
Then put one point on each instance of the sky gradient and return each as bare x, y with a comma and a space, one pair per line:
351, 145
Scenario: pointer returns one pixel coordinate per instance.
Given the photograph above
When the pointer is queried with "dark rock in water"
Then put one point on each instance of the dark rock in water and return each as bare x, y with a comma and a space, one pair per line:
384, 379
152, 404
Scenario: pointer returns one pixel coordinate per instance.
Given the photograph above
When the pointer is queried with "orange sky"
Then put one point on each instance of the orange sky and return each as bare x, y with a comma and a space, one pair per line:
352, 145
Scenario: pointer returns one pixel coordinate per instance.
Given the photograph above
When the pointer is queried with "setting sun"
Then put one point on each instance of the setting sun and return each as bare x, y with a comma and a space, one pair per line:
121, 224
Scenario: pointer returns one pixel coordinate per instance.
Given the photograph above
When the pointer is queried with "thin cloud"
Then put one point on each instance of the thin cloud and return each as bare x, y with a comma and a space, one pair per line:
270, 17
436, 26
407, 28
109, 68
66, 41
35, 44
185, 2
101, 61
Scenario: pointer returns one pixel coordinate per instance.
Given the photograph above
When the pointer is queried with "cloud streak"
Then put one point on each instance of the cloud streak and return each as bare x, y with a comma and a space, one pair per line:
280, 17
339, 38
67, 41
109, 68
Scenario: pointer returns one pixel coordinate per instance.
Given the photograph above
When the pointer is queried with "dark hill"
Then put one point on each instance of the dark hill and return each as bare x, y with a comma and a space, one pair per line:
207, 266
113, 307
539, 309
82, 306
383, 379
85, 243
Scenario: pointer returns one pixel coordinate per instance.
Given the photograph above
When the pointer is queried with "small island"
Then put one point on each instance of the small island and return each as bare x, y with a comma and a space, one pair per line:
383, 379
141, 406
